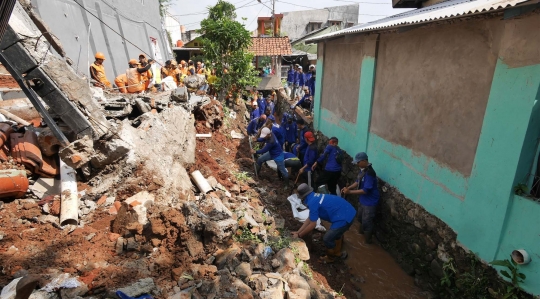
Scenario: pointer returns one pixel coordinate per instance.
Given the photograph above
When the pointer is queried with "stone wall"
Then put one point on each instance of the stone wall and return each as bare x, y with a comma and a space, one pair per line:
424, 246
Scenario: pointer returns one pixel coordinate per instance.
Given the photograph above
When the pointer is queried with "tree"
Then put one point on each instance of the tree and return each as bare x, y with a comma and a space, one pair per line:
225, 43
163, 6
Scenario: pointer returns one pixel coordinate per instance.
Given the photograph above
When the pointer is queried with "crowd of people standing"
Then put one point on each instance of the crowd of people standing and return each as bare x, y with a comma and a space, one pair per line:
143, 75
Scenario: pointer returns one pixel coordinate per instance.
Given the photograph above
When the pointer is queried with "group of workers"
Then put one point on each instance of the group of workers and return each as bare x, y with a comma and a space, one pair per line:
142, 75
291, 144
301, 85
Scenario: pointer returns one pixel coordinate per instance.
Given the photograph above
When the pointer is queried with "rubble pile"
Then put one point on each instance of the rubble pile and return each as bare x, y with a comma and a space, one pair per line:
140, 224
145, 228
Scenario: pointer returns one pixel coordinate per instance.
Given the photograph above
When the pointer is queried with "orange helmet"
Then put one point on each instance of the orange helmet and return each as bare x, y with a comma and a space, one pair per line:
133, 61
100, 55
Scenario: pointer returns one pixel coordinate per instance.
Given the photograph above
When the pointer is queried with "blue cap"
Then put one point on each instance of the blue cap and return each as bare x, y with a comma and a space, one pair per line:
359, 157
272, 118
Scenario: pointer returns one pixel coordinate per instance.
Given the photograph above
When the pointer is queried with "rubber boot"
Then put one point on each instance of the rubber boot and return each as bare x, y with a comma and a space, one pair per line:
338, 252
360, 229
369, 237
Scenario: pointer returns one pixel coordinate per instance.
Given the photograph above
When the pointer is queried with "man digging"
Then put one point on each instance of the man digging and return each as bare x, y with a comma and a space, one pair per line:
334, 209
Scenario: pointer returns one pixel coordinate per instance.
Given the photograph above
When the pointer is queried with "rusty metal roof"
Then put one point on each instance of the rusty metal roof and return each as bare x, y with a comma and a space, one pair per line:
444, 10
270, 46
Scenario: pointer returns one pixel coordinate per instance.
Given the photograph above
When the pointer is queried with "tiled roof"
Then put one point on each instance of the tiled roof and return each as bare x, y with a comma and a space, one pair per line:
270, 46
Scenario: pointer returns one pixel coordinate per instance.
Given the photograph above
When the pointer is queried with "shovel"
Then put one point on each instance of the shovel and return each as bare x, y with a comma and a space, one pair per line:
253, 157
295, 184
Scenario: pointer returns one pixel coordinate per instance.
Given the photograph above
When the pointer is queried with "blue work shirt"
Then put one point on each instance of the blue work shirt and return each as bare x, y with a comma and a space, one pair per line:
277, 131
262, 105
310, 157
311, 85
307, 77
254, 126
255, 113
368, 183
289, 130
330, 154
290, 75
301, 80
272, 146
269, 106
304, 99
331, 208
303, 143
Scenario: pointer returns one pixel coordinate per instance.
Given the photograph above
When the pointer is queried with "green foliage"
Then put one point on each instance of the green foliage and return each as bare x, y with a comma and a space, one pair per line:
296, 253
242, 176
163, 6
513, 274
266, 60
225, 43
222, 10
521, 189
307, 270
476, 282
449, 272
280, 242
244, 235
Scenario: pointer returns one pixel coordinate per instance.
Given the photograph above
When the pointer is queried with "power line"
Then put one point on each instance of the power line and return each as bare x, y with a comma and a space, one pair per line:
256, 17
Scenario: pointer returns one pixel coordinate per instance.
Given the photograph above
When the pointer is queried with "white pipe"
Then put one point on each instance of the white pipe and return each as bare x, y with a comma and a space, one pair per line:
201, 182
69, 199
203, 135
14, 117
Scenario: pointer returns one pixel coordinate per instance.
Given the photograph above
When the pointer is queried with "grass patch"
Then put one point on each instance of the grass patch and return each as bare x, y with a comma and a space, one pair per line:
244, 235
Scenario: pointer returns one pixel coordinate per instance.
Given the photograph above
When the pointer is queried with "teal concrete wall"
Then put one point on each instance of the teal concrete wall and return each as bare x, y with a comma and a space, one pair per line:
488, 218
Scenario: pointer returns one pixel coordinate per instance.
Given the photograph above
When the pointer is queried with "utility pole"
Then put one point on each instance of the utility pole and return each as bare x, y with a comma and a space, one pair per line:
272, 18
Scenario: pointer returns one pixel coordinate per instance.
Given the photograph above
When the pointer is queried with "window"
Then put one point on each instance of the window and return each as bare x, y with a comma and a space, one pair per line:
349, 25
335, 23
312, 26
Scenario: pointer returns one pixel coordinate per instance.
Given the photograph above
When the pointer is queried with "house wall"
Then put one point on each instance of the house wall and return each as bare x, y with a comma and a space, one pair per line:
137, 22
448, 116
294, 23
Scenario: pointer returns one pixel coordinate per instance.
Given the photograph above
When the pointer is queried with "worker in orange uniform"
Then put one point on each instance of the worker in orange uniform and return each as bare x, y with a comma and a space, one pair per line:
183, 68
97, 72
121, 82
134, 74
147, 76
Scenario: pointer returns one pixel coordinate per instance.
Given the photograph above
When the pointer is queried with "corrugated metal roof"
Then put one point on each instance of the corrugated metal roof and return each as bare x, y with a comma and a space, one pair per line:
440, 11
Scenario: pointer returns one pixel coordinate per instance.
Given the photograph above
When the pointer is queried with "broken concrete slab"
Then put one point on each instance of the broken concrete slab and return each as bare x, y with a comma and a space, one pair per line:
78, 153
46, 186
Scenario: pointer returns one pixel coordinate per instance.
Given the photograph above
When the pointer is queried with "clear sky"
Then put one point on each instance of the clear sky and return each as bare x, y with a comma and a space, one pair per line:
191, 12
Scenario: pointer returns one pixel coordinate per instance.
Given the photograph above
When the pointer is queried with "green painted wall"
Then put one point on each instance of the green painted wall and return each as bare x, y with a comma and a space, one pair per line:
488, 218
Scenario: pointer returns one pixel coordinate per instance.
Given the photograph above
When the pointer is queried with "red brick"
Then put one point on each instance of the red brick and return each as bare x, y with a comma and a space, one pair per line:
102, 200
113, 237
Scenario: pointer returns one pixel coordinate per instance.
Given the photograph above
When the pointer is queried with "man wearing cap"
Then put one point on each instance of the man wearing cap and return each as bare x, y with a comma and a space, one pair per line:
289, 129
332, 169
97, 72
134, 76
271, 151
334, 209
366, 187
254, 111
256, 124
310, 156
183, 68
